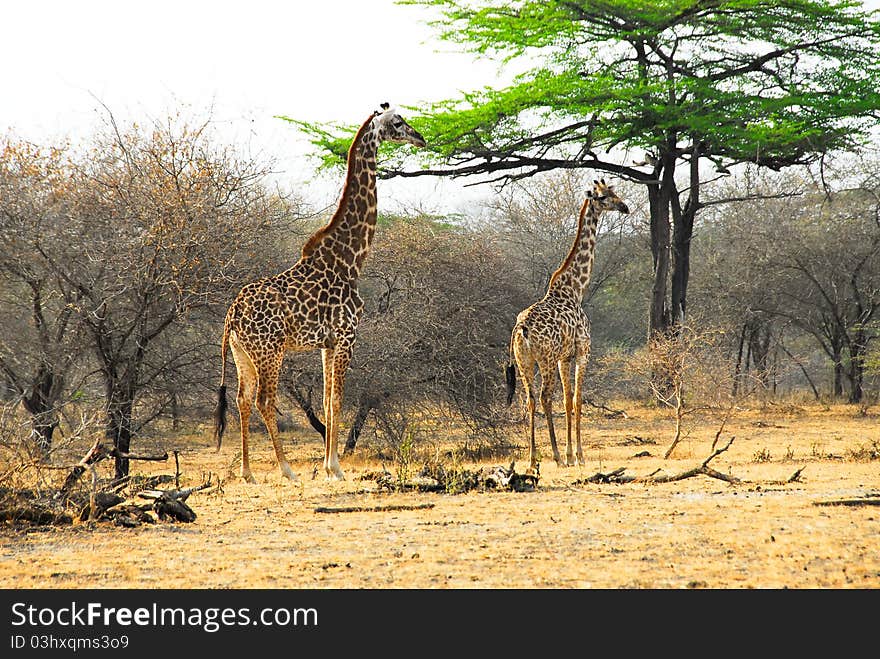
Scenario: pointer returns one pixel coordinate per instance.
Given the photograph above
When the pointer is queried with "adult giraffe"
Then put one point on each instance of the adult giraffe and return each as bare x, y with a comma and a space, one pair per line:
555, 330
313, 305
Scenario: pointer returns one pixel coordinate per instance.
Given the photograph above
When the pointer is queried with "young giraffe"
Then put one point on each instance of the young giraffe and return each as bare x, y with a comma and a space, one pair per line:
313, 305
555, 332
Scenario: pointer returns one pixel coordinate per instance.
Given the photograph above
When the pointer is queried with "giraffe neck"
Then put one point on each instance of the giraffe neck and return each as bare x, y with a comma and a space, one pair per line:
342, 244
573, 276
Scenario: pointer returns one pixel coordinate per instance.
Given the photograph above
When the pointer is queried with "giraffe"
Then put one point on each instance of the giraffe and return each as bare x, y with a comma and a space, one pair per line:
314, 305
554, 332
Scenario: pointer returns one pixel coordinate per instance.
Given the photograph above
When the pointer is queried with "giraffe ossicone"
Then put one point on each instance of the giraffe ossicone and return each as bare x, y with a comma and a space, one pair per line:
313, 305
554, 333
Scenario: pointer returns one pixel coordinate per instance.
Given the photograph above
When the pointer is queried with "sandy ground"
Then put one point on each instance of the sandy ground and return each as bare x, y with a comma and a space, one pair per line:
700, 532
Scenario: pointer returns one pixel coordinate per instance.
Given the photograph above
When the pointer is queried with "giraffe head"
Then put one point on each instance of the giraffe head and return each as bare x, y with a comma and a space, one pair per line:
390, 127
606, 197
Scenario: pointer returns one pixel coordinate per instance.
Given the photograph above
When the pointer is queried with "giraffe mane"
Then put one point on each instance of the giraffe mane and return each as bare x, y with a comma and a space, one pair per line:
574, 244
316, 237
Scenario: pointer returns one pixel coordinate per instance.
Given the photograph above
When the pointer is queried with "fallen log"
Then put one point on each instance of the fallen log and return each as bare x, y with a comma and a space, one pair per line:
33, 513
95, 454
129, 515
373, 509
102, 502
609, 413
436, 477
171, 504
867, 501
704, 469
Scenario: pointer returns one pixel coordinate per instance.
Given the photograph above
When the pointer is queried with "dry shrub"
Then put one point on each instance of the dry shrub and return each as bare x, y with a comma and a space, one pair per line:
30, 476
688, 373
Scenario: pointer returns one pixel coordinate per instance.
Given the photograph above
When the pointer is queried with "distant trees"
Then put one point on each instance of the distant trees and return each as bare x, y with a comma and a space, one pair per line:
149, 227
807, 264
41, 338
823, 261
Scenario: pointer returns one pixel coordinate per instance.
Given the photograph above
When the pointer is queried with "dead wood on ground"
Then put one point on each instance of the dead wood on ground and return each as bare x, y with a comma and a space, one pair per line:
607, 411
794, 478
437, 477
372, 509
99, 451
171, 504
865, 501
34, 513
103, 501
617, 476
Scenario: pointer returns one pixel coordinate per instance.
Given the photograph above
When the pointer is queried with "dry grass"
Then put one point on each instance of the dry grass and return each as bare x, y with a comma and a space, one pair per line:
695, 533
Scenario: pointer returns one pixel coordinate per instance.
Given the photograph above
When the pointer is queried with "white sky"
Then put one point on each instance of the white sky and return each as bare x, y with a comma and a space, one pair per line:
245, 61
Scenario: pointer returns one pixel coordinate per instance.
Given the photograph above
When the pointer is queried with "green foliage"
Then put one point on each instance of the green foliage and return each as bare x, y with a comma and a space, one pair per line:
404, 457
752, 81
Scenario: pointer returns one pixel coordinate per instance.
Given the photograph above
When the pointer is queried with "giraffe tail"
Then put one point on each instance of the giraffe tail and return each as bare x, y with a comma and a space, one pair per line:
510, 371
222, 405
511, 382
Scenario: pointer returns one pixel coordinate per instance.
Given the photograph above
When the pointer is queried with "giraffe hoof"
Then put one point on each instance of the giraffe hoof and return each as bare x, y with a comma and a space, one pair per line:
287, 472
249, 478
335, 474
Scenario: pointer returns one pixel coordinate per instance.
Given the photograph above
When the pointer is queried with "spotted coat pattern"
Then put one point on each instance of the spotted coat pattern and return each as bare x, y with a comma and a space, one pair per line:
314, 305
554, 333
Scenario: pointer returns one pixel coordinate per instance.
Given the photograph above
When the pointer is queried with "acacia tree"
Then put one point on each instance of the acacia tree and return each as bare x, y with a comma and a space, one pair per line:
695, 85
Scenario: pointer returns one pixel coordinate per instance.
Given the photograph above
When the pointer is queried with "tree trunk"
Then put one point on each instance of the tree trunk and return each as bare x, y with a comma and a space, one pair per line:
120, 404
837, 360
682, 232
856, 371
304, 400
41, 403
737, 371
856, 381
42, 430
365, 406
658, 315
661, 317
759, 347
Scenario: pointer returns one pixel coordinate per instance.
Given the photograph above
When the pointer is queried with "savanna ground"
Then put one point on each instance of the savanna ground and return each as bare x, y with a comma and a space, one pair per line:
699, 532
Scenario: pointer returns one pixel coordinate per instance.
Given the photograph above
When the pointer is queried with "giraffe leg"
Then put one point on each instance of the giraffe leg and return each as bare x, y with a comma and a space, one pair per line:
247, 384
565, 378
579, 372
267, 390
327, 368
526, 367
340, 361
548, 378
